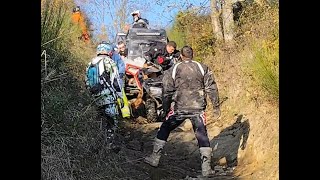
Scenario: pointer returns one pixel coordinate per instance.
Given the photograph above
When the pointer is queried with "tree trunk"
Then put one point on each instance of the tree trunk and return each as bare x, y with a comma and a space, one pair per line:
216, 25
228, 23
122, 13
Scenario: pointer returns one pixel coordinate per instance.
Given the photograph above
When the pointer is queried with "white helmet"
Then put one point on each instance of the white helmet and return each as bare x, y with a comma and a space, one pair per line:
136, 12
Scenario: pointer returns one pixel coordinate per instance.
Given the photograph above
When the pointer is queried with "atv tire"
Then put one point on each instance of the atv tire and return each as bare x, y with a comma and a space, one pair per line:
151, 111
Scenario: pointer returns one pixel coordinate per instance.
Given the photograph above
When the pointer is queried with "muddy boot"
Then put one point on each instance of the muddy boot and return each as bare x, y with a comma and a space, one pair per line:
154, 158
206, 153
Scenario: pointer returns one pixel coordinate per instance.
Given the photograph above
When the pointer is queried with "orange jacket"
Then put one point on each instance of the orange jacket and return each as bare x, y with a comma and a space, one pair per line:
77, 18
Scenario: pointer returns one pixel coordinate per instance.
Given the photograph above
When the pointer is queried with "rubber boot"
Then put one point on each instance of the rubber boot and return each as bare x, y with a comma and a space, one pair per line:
154, 158
206, 153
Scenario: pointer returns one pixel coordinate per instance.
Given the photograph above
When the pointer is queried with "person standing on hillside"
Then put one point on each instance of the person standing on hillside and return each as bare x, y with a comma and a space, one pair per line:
77, 18
121, 69
115, 90
185, 86
103, 81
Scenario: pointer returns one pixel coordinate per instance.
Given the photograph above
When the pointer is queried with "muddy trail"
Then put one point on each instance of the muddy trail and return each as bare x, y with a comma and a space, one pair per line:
180, 156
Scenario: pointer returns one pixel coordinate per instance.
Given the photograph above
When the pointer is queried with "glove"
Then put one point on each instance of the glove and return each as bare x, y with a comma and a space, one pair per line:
216, 112
160, 59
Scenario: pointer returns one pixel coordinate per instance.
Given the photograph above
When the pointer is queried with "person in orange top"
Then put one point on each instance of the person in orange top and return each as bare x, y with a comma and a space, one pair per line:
77, 18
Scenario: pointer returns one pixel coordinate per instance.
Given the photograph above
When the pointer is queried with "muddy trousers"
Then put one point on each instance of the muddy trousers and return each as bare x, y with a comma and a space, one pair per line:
172, 121
198, 120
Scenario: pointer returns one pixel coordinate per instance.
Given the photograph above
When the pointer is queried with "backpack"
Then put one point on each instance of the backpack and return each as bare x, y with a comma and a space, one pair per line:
96, 80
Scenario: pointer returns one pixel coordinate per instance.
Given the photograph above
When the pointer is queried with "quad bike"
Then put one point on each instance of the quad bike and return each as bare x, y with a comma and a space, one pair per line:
143, 78
138, 70
146, 84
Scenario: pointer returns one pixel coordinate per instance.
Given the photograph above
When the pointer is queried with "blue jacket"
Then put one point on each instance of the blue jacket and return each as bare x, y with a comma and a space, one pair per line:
120, 64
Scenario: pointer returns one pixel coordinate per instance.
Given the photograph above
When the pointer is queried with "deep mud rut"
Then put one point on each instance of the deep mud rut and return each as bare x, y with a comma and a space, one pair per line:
180, 157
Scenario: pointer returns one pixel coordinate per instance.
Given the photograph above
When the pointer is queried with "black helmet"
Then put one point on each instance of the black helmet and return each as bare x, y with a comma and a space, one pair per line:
76, 9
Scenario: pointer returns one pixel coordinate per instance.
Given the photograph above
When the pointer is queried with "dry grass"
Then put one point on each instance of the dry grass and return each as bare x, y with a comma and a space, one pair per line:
72, 145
